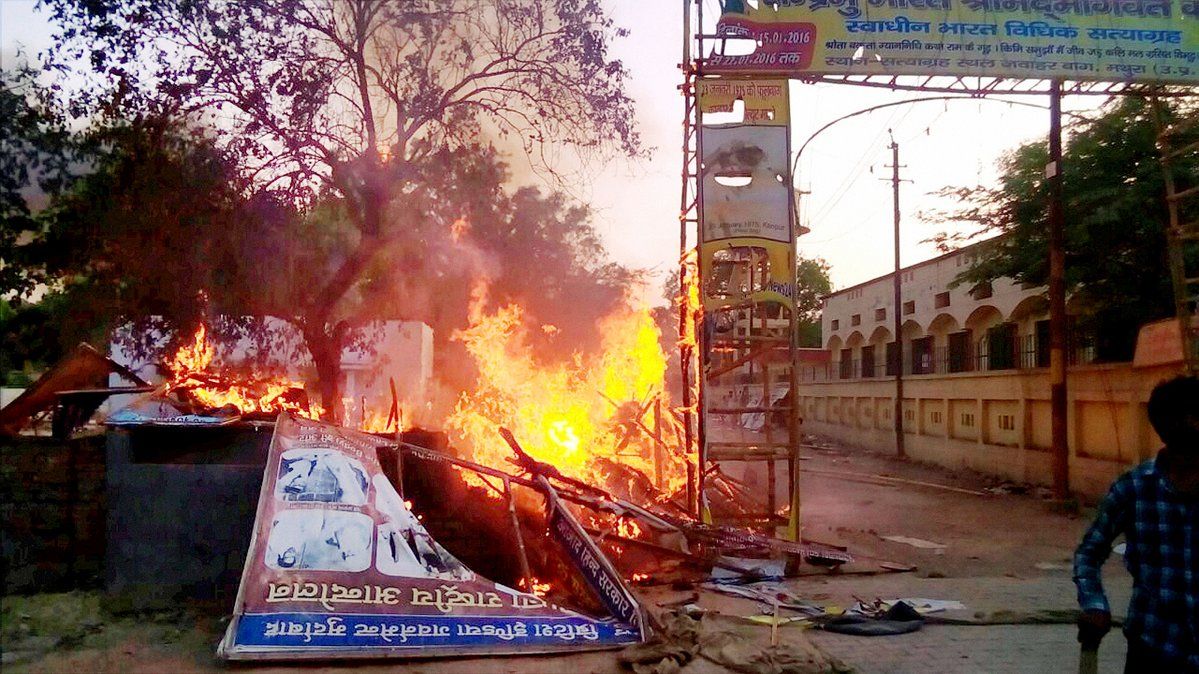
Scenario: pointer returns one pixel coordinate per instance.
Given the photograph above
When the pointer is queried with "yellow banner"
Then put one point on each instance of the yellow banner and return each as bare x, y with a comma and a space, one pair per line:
765, 101
740, 271
1095, 40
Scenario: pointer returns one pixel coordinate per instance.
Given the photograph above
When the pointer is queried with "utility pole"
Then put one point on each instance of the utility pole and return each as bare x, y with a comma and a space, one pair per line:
897, 320
1057, 299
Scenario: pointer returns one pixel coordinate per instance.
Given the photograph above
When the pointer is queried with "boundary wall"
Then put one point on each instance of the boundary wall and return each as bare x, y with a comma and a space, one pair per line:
998, 423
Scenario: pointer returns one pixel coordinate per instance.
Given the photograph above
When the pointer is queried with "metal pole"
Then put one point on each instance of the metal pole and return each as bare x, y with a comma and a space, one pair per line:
1057, 299
686, 34
897, 286
794, 527
686, 349
522, 556
701, 341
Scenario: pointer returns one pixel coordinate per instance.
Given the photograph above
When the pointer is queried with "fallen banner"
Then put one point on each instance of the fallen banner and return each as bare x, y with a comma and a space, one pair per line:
340, 567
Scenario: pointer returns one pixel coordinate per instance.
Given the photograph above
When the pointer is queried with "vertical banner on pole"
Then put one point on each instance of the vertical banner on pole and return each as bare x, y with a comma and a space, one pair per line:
746, 207
746, 285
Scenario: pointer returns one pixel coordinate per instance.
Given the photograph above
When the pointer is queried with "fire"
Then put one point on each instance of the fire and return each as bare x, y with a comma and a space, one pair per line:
190, 370
589, 416
377, 421
193, 357
627, 528
458, 229
538, 588
638, 577
689, 299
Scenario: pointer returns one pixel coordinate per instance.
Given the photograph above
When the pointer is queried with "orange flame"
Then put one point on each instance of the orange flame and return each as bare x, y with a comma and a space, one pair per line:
588, 416
190, 372
627, 528
381, 421
538, 588
688, 299
459, 229
193, 357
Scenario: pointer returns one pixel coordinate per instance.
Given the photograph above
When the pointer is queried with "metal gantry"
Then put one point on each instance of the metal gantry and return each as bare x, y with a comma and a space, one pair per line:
688, 264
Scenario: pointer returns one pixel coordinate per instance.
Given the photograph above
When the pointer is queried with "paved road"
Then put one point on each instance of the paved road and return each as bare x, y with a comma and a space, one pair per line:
1001, 649
1005, 556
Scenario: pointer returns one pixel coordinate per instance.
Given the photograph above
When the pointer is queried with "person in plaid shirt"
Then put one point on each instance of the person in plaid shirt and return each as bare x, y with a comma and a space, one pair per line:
1156, 507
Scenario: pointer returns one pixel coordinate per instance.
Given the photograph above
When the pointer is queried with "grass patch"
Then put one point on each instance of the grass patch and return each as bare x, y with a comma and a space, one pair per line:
66, 617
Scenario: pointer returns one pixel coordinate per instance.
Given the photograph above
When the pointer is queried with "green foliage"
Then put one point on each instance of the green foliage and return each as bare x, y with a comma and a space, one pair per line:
32, 337
351, 107
35, 154
812, 283
163, 215
1116, 219
158, 217
462, 226
810, 335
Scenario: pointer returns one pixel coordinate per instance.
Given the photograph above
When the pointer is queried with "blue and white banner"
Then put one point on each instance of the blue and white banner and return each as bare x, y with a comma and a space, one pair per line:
317, 630
596, 569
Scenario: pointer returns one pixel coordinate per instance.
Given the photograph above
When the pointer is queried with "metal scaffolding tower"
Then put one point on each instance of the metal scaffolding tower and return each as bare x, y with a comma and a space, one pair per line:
737, 347
1178, 138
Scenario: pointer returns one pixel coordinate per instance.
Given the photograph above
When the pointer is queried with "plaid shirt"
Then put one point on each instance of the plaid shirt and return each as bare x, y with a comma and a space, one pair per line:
1161, 530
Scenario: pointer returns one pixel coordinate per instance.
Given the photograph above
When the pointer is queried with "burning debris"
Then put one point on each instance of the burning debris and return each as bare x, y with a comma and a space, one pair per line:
592, 417
655, 543
197, 392
194, 381
596, 480
353, 572
593, 426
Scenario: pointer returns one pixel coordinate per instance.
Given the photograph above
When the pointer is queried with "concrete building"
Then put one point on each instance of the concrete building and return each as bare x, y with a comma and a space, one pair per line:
975, 363
403, 353
992, 326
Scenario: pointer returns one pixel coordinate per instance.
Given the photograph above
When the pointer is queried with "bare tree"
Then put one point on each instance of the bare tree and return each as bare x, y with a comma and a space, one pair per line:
346, 99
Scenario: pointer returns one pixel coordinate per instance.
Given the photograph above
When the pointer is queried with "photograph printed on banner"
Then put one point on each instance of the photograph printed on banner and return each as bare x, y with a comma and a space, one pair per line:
320, 540
745, 179
320, 476
405, 548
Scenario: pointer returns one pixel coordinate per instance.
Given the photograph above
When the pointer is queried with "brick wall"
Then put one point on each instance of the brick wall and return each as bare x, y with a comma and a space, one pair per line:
52, 512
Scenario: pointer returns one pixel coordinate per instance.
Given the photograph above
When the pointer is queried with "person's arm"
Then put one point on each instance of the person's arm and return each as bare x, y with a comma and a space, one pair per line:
1096, 617
1096, 546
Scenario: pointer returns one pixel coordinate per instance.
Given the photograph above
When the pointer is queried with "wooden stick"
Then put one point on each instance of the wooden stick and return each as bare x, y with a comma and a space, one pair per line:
659, 447
668, 552
520, 541
393, 412
765, 348
774, 622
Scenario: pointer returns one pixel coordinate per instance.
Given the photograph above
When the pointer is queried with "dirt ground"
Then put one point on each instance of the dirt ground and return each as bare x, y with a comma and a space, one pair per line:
1003, 554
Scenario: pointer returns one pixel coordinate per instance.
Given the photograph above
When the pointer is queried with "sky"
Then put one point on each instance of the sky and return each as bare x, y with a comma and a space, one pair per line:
849, 208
